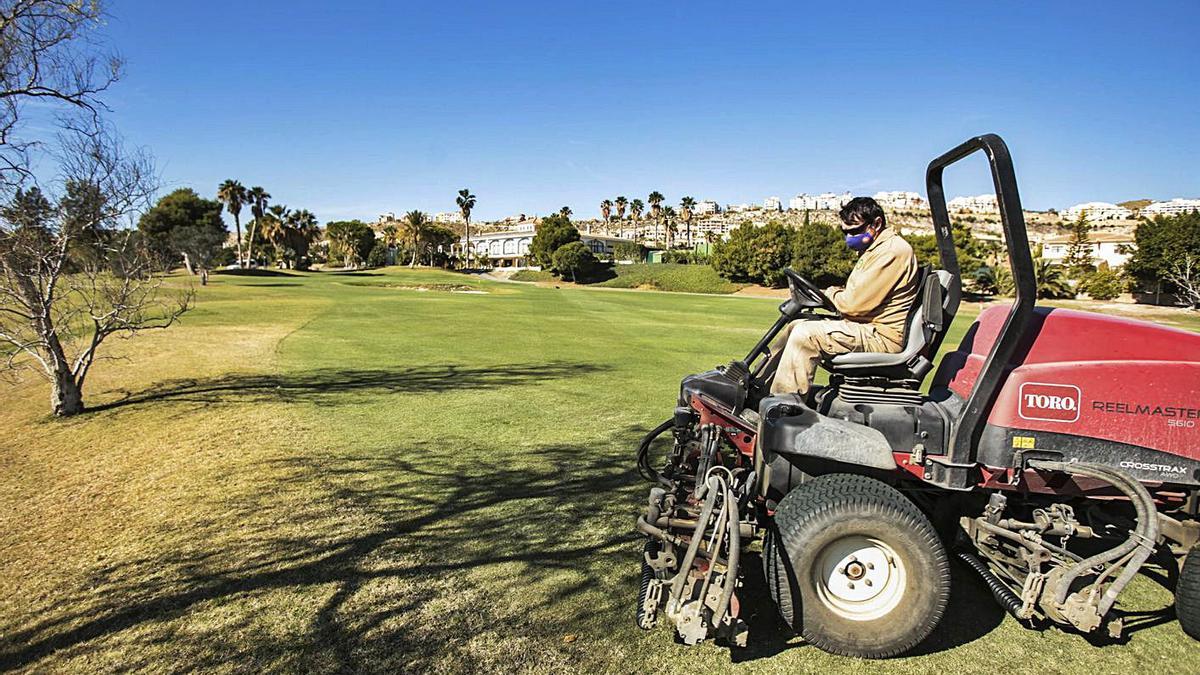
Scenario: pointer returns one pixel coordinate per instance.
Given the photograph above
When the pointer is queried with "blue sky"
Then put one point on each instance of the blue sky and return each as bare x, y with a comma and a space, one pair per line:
353, 109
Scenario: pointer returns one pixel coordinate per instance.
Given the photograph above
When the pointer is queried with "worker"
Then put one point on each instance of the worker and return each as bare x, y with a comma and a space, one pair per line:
875, 302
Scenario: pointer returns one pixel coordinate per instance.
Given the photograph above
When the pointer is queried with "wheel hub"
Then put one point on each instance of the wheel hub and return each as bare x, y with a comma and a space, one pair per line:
859, 578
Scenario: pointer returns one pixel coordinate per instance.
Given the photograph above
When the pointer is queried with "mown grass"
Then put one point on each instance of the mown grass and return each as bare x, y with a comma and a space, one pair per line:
671, 277
341, 472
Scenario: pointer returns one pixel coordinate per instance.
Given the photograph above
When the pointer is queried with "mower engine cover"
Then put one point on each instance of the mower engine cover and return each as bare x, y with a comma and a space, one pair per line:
1092, 387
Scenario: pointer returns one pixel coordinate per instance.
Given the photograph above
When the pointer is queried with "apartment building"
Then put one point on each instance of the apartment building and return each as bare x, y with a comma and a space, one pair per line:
1095, 211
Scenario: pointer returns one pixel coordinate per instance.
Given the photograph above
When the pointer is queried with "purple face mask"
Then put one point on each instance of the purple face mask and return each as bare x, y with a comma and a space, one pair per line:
861, 241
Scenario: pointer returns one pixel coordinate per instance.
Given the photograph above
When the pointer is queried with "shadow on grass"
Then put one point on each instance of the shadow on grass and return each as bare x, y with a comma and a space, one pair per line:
328, 385
256, 272
448, 556
402, 561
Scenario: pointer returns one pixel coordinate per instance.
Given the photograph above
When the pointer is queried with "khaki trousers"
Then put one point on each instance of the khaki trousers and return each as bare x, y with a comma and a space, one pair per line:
805, 341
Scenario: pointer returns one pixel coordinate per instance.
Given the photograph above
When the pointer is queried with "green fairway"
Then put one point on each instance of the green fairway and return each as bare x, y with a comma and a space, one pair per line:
402, 471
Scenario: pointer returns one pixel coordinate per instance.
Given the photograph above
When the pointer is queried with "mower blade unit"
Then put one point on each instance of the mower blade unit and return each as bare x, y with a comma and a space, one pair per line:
696, 518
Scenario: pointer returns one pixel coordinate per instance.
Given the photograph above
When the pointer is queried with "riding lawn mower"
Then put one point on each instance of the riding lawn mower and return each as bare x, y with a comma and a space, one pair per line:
1055, 453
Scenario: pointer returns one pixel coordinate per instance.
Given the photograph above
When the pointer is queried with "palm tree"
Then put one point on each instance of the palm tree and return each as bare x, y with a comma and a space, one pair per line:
233, 195
621, 203
391, 234
417, 223
308, 227
273, 227
306, 224
685, 214
656, 199
466, 202
668, 221
565, 212
258, 199
606, 212
635, 214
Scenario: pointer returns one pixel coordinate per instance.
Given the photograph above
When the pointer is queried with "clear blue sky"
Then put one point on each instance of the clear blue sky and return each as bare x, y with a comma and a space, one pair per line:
352, 109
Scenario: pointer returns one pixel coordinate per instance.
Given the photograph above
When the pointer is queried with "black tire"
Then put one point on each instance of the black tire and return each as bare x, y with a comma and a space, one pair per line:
839, 517
1187, 594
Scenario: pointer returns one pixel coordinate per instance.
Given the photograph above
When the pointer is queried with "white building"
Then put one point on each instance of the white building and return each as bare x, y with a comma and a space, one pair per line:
448, 217
900, 200
740, 208
712, 230
511, 249
1107, 247
772, 204
826, 201
1094, 211
976, 204
1171, 208
705, 207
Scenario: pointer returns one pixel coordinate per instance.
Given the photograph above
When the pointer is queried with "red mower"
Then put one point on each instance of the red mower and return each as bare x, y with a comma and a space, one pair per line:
1056, 453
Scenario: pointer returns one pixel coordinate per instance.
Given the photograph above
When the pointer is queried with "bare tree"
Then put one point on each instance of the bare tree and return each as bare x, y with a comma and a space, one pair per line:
1184, 273
72, 271
71, 276
49, 52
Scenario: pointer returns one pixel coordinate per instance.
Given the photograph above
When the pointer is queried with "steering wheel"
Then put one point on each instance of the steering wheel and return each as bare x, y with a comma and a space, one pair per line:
806, 294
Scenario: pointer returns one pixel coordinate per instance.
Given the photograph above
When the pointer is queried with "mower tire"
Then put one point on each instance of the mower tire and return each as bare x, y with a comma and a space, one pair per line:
855, 567
1187, 594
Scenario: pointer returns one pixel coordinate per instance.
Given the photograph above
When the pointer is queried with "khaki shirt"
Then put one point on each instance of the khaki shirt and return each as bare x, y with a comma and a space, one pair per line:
882, 286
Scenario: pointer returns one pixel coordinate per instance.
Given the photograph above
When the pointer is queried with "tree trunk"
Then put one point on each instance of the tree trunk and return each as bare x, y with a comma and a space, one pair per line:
250, 243
66, 398
237, 224
187, 262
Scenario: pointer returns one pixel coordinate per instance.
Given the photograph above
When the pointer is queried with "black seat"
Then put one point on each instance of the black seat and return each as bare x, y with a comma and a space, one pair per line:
931, 314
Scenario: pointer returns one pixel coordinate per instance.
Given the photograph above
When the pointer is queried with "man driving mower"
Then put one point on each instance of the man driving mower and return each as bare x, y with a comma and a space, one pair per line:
875, 302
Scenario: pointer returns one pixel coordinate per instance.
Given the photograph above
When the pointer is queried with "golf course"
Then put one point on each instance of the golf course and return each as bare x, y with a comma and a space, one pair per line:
404, 470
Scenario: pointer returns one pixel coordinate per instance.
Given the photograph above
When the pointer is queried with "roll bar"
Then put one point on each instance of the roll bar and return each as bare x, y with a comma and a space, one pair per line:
967, 428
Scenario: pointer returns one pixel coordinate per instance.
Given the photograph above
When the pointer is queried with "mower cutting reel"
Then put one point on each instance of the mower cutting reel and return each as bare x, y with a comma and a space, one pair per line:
1055, 454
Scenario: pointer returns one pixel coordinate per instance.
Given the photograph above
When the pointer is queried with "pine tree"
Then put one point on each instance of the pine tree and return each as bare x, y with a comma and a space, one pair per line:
1079, 253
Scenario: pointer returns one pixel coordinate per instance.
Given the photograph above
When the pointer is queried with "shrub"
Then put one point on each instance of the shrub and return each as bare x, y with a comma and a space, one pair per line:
1103, 284
576, 259
684, 257
629, 250
378, 257
820, 254
755, 254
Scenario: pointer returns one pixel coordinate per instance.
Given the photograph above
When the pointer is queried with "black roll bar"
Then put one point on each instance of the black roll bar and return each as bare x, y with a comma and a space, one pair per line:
971, 421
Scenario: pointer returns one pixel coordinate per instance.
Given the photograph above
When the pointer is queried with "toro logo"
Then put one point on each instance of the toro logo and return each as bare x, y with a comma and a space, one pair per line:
1049, 402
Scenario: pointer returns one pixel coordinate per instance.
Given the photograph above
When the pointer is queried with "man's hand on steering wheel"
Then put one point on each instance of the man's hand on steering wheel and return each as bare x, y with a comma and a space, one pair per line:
807, 295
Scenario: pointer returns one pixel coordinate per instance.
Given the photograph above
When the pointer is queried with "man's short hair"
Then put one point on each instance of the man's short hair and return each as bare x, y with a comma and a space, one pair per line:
862, 211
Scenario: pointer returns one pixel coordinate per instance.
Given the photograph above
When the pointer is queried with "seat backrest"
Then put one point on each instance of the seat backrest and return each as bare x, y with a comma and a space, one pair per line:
931, 314
939, 313
940, 296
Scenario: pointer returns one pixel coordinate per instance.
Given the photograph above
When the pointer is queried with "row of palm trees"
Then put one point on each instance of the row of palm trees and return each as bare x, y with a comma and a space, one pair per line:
291, 232
664, 217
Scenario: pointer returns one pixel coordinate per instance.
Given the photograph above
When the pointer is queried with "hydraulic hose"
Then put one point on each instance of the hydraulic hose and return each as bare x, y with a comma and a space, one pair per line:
643, 454
685, 565
1003, 594
1140, 544
735, 554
